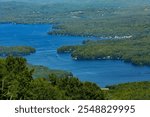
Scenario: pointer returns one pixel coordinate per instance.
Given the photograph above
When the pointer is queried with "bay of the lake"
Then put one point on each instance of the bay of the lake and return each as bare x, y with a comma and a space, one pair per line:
102, 72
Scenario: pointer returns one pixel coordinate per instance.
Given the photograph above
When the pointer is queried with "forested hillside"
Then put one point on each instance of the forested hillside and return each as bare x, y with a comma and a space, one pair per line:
130, 91
16, 82
136, 51
99, 18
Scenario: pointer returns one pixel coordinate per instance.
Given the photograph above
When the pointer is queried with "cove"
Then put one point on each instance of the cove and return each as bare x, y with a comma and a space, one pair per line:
104, 72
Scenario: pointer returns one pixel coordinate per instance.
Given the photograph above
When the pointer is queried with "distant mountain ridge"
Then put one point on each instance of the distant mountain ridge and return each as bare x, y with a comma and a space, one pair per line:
103, 2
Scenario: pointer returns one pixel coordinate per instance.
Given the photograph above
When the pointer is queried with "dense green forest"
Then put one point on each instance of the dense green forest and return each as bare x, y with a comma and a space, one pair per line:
136, 51
129, 91
16, 50
17, 82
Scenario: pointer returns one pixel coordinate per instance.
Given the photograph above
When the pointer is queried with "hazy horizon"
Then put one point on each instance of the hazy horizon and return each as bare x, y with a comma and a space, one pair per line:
123, 2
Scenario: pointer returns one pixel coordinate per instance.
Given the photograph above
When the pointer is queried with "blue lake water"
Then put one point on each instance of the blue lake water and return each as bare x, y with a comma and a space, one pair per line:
104, 72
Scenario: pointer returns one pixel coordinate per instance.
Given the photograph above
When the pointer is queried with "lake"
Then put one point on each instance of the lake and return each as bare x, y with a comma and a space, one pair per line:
102, 72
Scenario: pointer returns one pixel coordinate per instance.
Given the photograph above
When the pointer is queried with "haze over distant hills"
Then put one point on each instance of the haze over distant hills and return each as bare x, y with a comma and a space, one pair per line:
103, 2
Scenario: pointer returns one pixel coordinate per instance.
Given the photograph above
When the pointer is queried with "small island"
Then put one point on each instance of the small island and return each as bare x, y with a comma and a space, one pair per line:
16, 50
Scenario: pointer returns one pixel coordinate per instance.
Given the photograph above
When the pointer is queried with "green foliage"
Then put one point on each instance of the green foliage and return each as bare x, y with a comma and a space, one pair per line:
16, 82
74, 89
16, 50
129, 91
44, 72
91, 91
105, 22
41, 89
15, 78
136, 51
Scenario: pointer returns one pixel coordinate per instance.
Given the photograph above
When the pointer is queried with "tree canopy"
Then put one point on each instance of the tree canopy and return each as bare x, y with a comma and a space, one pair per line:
16, 82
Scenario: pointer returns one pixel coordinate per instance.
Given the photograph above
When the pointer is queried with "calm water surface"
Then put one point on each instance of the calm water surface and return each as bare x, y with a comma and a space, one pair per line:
105, 72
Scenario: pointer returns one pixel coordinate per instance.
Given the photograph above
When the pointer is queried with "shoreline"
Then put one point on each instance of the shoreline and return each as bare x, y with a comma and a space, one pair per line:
116, 37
